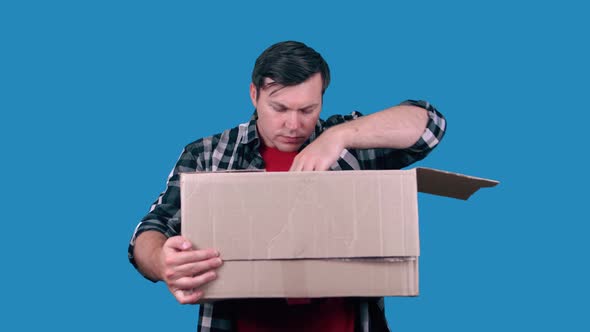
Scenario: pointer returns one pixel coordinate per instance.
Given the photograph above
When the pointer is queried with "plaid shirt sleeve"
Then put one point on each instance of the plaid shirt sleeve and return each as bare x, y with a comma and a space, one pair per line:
164, 214
396, 158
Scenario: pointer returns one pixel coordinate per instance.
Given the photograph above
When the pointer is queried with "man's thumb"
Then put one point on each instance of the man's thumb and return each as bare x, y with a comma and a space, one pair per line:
178, 243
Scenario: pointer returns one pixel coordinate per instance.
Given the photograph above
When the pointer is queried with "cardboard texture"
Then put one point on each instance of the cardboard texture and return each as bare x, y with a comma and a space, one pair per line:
313, 234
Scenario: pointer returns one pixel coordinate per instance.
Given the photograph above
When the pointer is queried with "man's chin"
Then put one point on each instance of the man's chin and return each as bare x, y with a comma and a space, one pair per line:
283, 147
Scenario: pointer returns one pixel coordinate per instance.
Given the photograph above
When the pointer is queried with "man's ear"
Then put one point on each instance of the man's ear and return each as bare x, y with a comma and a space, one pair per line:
253, 94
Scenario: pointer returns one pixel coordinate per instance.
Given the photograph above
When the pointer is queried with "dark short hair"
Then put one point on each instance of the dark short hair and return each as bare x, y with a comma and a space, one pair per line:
289, 63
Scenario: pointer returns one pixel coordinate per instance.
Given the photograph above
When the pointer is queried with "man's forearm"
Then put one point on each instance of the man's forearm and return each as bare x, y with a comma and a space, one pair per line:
148, 247
398, 127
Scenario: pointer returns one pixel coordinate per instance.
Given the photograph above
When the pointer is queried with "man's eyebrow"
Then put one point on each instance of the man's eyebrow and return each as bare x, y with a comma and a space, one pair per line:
280, 105
310, 106
277, 104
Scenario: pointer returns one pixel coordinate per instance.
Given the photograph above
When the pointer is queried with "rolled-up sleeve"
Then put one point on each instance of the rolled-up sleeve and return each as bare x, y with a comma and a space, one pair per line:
164, 213
435, 127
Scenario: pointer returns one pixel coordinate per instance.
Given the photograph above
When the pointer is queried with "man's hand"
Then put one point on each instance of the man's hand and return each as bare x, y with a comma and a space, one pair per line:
322, 153
185, 270
398, 127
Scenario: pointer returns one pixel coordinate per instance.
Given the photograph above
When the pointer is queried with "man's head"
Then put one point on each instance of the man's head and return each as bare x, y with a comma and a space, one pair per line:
288, 83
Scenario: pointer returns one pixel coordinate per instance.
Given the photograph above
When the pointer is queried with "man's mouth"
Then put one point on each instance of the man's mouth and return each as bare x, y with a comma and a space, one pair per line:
291, 140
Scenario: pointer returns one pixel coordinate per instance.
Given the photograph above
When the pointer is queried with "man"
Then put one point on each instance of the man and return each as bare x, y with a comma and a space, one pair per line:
285, 133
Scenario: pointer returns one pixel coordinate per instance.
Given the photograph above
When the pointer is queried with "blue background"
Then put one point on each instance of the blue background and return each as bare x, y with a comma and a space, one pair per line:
98, 98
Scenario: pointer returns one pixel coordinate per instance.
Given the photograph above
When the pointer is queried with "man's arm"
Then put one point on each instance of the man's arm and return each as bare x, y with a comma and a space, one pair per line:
398, 127
159, 253
147, 252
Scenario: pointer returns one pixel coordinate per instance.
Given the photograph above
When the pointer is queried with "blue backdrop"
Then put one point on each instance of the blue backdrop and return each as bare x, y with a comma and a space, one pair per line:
99, 97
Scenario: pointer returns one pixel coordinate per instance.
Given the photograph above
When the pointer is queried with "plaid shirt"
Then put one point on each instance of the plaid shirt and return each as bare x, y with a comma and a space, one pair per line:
237, 148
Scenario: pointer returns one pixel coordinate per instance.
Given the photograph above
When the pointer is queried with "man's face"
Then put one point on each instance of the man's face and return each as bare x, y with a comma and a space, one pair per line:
287, 115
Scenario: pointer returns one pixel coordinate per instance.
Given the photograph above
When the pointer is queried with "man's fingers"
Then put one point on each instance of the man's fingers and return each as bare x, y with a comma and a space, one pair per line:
190, 296
308, 168
192, 269
306, 161
195, 282
187, 289
186, 257
323, 166
301, 163
200, 267
296, 166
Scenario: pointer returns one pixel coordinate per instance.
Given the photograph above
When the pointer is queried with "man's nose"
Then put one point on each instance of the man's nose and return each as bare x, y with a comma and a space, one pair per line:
292, 120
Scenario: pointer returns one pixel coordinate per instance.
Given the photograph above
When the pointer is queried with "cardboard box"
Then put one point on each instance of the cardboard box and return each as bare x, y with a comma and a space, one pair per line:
313, 234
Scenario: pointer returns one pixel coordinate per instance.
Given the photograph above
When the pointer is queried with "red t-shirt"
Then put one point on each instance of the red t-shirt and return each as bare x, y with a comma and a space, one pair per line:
313, 315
